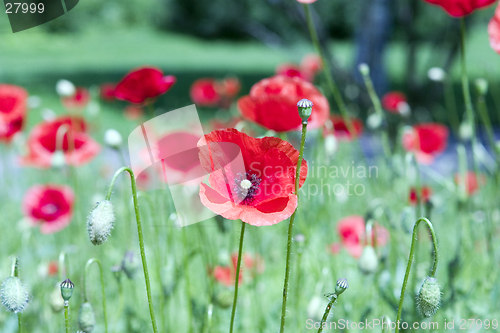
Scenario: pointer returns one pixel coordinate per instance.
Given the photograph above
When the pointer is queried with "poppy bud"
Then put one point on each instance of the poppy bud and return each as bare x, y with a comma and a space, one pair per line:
429, 297
67, 289
368, 262
55, 300
374, 121
113, 138
341, 286
58, 159
465, 131
86, 317
481, 86
331, 144
436, 74
65, 88
130, 264
224, 299
364, 69
305, 109
14, 295
100, 222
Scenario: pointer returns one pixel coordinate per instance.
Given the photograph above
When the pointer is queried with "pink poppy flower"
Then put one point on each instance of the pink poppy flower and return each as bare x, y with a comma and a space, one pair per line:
461, 8
494, 31
352, 232
427, 141
78, 101
12, 110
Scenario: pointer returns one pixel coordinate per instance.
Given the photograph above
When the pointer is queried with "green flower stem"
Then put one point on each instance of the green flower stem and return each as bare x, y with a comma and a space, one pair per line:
451, 105
15, 272
386, 328
378, 109
290, 227
333, 298
237, 277
188, 280
85, 295
485, 118
63, 264
410, 260
326, 69
66, 316
141, 239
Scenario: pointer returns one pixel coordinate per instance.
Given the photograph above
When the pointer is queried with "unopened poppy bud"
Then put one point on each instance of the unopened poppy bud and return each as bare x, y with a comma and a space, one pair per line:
67, 289
224, 299
305, 109
465, 131
65, 88
374, 120
436, 74
55, 300
368, 262
58, 159
481, 86
364, 69
14, 295
113, 138
100, 222
331, 144
341, 286
86, 317
130, 264
429, 297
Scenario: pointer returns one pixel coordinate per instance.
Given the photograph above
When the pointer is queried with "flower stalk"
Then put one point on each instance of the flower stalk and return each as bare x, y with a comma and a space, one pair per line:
141, 239
341, 286
237, 277
85, 295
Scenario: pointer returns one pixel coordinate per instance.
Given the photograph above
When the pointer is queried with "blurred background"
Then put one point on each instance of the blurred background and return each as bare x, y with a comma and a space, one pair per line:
99, 41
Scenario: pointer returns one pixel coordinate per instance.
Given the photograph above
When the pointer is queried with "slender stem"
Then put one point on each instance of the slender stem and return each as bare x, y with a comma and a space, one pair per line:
326, 69
66, 316
85, 295
290, 227
15, 267
63, 264
188, 280
485, 118
410, 260
327, 311
450, 103
141, 239
237, 277
19, 322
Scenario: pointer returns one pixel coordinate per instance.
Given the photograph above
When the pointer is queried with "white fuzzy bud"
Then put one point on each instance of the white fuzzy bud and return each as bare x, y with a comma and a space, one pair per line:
368, 262
374, 121
364, 69
100, 222
14, 295
86, 318
429, 297
113, 138
65, 88
436, 74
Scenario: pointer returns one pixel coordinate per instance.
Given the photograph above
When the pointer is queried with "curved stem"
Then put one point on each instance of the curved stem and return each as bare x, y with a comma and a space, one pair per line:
237, 277
327, 311
141, 239
410, 260
326, 69
85, 295
290, 227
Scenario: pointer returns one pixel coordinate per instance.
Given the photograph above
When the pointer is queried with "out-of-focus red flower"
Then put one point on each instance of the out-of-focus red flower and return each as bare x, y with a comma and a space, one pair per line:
340, 129
272, 103
49, 206
230, 87
292, 70
78, 101
425, 195
255, 264
427, 141
133, 112
461, 8
204, 92
494, 31
311, 63
392, 100
226, 274
352, 232
12, 110
264, 194
335, 248
306, 1
52, 268
66, 134
107, 91
143, 84
472, 181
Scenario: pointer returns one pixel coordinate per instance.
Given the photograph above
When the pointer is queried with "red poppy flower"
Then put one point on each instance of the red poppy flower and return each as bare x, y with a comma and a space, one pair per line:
292, 70
472, 182
460, 8
255, 264
311, 63
49, 206
352, 231
230, 87
494, 31
339, 128
392, 100
425, 195
225, 275
261, 196
204, 92
107, 91
12, 110
142, 84
427, 141
272, 103
78, 147
52, 268
78, 101
133, 112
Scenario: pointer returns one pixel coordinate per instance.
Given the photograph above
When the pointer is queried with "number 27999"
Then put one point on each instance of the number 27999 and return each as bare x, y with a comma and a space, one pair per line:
18, 7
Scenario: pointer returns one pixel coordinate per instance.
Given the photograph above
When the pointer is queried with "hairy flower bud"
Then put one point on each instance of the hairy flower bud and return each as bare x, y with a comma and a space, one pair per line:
429, 297
67, 289
224, 299
100, 222
305, 109
481, 86
65, 88
113, 138
368, 262
364, 69
86, 318
55, 300
130, 264
14, 295
341, 286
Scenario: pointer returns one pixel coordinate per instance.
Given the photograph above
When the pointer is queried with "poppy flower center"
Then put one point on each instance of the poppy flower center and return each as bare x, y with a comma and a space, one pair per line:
49, 209
246, 187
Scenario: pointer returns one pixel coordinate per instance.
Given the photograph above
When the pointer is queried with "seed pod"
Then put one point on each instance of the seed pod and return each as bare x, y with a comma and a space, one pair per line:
100, 222
86, 318
341, 286
429, 297
368, 262
67, 289
304, 107
14, 295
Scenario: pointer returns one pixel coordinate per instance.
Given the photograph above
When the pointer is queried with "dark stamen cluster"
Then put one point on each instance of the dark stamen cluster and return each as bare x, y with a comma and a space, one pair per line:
246, 196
